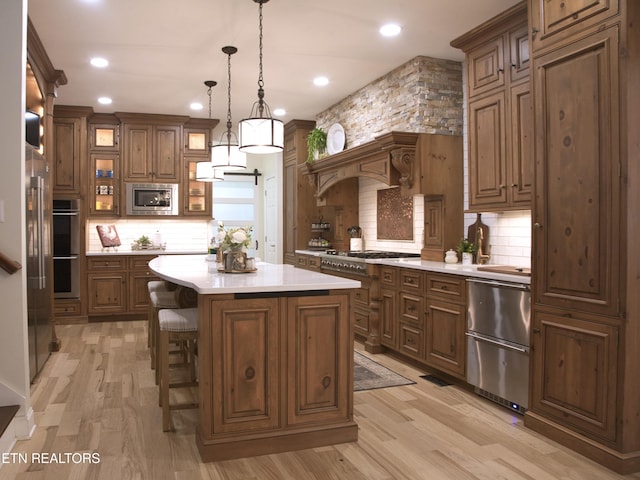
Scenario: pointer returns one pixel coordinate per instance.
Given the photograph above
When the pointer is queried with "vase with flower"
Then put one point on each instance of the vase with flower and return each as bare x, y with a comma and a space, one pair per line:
234, 244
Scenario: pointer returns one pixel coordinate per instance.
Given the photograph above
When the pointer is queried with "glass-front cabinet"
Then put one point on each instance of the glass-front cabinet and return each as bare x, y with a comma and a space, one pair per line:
105, 186
197, 195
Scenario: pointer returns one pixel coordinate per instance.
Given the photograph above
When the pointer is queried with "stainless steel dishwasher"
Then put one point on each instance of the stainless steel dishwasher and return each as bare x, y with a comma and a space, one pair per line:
498, 323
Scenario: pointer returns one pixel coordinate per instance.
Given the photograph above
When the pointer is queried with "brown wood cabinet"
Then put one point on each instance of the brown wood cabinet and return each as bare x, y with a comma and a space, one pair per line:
298, 199
389, 307
196, 196
586, 311
69, 147
446, 323
152, 147
282, 369
411, 303
499, 113
118, 284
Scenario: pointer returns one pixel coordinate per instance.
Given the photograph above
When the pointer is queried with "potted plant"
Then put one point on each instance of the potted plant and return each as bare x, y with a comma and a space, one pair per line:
467, 248
316, 143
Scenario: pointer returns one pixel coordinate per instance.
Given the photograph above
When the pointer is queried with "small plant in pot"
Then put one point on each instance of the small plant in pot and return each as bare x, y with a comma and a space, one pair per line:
467, 249
316, 144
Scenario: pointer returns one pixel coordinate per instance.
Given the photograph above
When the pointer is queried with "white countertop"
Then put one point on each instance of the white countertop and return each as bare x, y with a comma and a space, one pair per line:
128, 251
451, 268
440, 267
195, 272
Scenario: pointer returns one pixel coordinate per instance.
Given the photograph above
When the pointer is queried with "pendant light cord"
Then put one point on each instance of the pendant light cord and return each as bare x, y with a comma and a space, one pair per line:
260, 77
229, 99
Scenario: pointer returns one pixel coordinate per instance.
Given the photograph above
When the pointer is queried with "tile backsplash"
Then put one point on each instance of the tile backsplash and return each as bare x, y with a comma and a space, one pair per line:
179, 234
510, 232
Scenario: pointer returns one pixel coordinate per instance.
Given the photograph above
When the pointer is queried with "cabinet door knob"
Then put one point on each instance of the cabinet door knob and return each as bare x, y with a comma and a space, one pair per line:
500, 70
536, 330
514, 185
537, 225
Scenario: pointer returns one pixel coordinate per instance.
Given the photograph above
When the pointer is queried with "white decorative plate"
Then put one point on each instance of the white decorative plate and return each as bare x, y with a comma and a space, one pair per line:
335, 139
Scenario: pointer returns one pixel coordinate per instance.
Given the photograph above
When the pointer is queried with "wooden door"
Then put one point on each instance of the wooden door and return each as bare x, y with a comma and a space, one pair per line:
521, 155
66, 155
575, 373
577, 207
445, 337
485, 66
319, 359
388, 317
138, 148
244, 344
289, 222
107, 292
519, 54
487, 150
166, 153
555, 20
138, 291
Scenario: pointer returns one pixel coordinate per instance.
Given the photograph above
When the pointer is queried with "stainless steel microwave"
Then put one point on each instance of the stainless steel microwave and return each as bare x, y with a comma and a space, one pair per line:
152, 199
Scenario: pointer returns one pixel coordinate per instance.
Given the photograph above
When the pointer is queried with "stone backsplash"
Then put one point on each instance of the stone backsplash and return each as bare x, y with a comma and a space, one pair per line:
423, 95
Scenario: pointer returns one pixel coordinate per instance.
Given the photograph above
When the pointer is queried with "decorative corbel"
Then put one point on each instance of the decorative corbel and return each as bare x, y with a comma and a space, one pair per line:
402, 159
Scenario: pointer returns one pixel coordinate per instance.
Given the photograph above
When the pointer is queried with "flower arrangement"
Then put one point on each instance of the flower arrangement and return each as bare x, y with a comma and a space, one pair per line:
236, 238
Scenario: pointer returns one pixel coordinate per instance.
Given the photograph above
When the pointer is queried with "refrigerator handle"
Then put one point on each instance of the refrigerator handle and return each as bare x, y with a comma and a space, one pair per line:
37, 183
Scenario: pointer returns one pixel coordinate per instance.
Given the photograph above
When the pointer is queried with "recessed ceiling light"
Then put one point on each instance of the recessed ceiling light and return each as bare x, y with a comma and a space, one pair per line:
279, 112
99, 62
104, 100
320, 81
390, 30
196, 106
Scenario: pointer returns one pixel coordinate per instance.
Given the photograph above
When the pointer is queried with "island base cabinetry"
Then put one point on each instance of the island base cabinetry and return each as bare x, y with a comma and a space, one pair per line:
276, 374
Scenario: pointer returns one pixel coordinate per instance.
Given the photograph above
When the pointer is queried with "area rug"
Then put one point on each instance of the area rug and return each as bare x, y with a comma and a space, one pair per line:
369, 375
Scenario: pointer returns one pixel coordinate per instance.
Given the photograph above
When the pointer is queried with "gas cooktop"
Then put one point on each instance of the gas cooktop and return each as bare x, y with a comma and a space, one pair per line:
371, 254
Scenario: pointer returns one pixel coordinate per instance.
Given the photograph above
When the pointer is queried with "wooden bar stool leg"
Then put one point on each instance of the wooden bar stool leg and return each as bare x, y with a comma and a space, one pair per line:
163, 367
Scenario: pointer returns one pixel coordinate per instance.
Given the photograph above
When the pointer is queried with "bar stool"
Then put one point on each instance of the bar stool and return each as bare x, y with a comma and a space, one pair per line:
176, 325
154, 286
158, 300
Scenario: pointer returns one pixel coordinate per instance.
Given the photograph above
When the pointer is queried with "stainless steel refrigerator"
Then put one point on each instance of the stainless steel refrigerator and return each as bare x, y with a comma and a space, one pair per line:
39, 260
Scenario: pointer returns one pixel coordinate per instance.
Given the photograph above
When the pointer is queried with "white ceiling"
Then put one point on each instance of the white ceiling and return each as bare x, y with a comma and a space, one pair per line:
162, 51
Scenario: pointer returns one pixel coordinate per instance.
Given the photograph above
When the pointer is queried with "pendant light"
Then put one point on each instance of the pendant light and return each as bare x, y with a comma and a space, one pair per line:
205, 171
227, 155
260, 133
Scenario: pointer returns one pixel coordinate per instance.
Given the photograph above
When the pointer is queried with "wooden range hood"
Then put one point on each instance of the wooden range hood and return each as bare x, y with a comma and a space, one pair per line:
389, 158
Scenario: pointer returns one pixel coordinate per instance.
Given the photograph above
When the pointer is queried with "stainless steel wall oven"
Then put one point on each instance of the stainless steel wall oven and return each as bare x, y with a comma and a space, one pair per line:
66, 247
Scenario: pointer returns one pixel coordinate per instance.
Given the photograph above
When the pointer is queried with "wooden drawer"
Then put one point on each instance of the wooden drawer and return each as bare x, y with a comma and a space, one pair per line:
412, 281
302, 261
361, 321
411, 341
106, 263
453, 288
412, 309
63, 308
389, 276
361, 296
140, 262
313, 263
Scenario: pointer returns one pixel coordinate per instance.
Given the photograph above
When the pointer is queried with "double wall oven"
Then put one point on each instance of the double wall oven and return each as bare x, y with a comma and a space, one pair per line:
66, 248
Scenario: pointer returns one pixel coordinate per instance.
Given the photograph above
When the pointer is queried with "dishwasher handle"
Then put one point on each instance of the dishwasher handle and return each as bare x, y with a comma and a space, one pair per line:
496, 283
501, 344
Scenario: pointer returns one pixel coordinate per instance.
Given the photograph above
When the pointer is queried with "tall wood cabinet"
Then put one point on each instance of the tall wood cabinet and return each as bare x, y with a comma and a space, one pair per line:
586, 277
69, 149
499, 112
298, 199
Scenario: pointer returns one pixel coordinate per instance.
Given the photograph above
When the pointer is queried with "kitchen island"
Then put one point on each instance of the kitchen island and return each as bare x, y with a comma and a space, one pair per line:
275, 357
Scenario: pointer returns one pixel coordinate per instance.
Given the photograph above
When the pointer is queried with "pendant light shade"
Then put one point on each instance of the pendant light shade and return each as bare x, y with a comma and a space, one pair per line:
205, 172
226, 155
260, 133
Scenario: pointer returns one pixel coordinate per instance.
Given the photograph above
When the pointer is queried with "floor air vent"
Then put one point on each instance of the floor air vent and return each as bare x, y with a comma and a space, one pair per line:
514, 407
437, 381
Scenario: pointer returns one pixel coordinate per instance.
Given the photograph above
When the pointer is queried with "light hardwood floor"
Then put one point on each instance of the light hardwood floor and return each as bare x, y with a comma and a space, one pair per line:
98, 395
